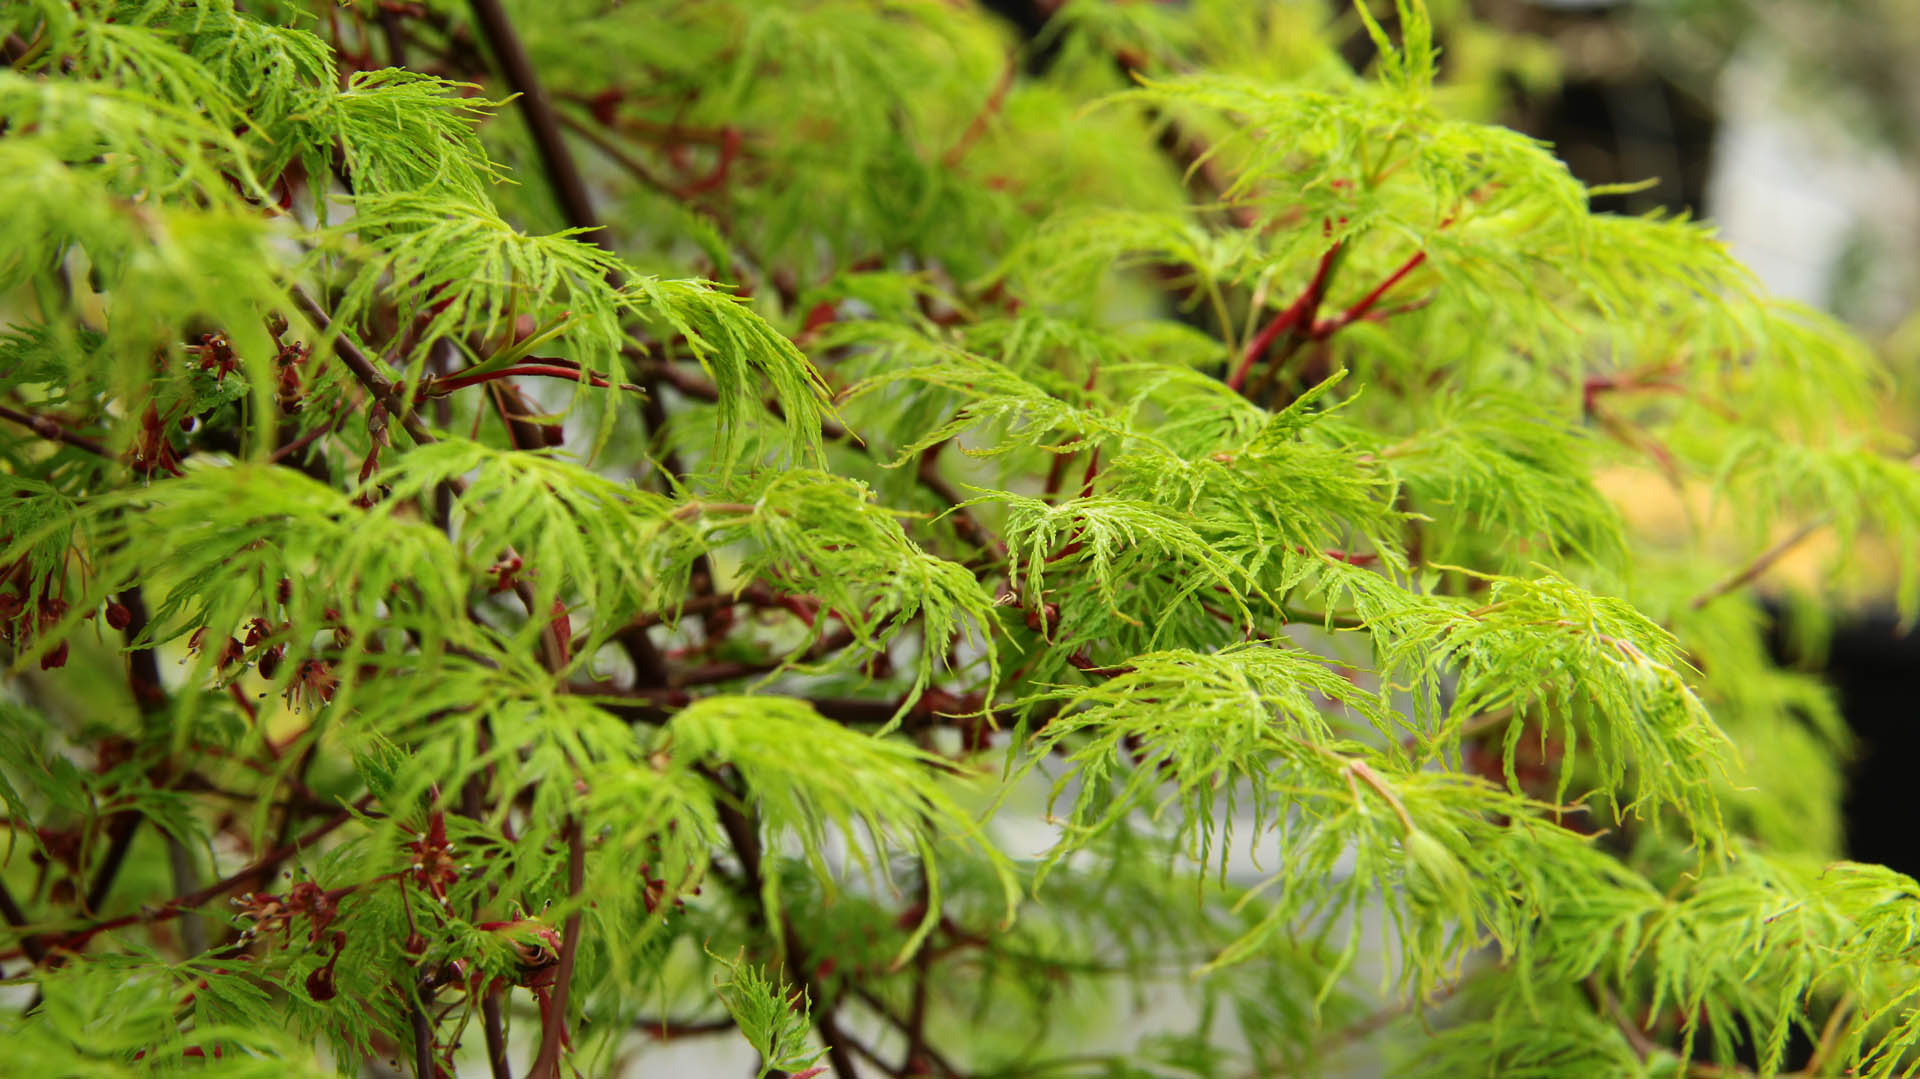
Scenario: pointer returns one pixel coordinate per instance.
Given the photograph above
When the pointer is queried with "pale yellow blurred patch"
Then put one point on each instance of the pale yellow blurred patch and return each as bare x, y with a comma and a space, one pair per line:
1687, 518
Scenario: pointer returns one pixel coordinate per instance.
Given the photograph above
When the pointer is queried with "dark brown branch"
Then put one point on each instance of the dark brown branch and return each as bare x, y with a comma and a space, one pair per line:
729, 670
395, 33
422, 1036
927, 1053
48, 429
364, 371
120, 835
743, 835
17, 918
542, 123
143, 678
493, 1021
666, 1030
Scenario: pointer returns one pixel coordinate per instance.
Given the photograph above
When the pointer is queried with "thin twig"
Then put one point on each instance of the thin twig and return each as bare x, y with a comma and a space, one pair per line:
978, 126
1358, 311
458, 380
1297, 317
46, 428
364, 371
180, 905
662, 1029
632, 165
1829, 1034
1761, 562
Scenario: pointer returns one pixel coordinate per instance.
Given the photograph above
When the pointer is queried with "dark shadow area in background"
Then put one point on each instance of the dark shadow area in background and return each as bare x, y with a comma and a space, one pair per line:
1872, 664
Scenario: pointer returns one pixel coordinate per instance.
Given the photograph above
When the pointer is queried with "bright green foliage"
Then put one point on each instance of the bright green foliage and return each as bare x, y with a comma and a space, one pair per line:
767, 1018
831, 521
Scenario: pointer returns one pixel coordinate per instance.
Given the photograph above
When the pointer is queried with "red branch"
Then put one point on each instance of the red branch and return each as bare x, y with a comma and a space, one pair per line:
451, 383
1301, 311
1359, 310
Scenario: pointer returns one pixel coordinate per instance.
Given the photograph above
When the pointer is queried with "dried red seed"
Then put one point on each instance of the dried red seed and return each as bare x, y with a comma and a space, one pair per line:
118, 616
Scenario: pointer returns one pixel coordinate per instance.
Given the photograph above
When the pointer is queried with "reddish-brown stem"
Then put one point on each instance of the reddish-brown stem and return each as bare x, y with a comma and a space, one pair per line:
978, 126
309, 438
539, 370
1092, 473
1761, 562
1351, 558
647, 129
1056, 475
364, 371
729, 149
1358, 311
1299, 313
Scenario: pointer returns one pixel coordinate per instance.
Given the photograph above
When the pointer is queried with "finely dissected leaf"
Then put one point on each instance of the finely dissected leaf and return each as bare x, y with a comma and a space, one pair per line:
809, 533
769, 1017
528, 530
807, 774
